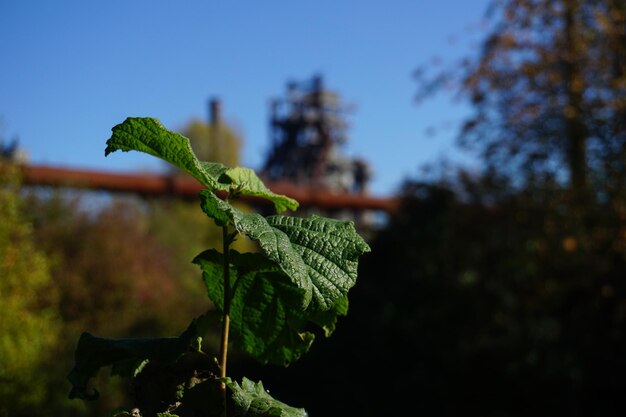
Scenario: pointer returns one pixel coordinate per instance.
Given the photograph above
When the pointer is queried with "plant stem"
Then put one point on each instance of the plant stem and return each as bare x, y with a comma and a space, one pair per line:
226, 318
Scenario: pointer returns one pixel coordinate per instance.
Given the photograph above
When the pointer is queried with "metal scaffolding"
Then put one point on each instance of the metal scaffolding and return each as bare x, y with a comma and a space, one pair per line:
307, 129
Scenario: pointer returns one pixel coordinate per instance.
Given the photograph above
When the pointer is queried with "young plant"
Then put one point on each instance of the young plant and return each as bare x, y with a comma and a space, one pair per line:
267, 301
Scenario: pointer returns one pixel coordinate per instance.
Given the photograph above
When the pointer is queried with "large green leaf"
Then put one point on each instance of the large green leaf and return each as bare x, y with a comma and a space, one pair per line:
252, 400
330, 250
266, 318
127, 356
319, 255
274, 243
149, 136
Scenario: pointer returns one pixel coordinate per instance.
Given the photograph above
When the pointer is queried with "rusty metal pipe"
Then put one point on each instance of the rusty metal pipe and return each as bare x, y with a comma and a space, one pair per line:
188, 188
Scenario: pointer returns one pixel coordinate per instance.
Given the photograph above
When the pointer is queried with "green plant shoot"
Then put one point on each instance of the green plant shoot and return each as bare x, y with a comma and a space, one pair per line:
266, 300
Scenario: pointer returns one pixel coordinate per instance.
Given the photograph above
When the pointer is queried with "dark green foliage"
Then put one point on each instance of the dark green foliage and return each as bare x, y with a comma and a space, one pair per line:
128, 357
480, 309
502, 305
512, 309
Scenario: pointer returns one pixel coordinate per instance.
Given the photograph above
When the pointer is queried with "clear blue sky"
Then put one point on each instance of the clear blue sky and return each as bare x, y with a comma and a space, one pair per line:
70, 70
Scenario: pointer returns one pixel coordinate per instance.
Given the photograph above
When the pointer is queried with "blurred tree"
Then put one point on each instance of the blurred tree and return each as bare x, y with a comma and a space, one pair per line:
213, 143
114, 279
476, 309
548, 91
106, 261
29, 320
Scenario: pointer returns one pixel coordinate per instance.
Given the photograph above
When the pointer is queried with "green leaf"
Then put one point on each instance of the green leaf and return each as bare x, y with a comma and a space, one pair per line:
319, 255
330, 250
211, 264
327, 319
251, 400
127, 356
246, 182
266, 313
274, 243
266, 318
216, 208
148, 135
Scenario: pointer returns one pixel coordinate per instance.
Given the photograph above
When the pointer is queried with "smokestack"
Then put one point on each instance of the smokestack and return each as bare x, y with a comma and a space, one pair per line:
215, 119
215, 109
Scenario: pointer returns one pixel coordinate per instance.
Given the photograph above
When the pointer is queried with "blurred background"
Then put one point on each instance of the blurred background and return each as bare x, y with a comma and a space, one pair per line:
479, 146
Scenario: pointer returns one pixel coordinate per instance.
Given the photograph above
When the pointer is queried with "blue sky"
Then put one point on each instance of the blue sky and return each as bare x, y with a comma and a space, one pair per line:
70, 70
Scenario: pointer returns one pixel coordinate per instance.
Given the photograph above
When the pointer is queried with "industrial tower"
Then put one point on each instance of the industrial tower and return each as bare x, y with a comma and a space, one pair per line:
307, 129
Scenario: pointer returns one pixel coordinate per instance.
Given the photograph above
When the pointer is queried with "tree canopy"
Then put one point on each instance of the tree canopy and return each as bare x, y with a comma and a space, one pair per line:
548, 92
213, 143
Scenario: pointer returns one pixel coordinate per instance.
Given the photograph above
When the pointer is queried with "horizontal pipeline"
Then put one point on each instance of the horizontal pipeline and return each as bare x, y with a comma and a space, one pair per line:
186, 187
